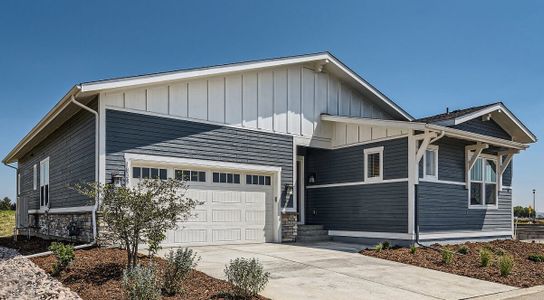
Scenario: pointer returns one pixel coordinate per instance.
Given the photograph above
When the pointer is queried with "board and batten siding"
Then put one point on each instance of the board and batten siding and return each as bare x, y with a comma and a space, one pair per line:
373, 207
284, 100
136, 133
444, 207
71, 152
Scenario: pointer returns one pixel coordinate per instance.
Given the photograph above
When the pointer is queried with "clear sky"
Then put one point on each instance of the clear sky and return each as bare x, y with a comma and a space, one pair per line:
425, 55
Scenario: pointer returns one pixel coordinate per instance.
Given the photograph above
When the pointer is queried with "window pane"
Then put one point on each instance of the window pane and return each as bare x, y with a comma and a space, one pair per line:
430, 168
248, 179
229, 178
490, 194
202, 176
261, 180
236, 178
155, 173
476, 172
267, 180
223, 177
255, 179
145, 173
186, 175
194, 176
162, 174
178, 174
490, 171
373, 165
215, 177
475, 193
136, 172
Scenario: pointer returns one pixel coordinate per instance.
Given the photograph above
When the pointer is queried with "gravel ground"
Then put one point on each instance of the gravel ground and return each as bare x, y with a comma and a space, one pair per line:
22, 279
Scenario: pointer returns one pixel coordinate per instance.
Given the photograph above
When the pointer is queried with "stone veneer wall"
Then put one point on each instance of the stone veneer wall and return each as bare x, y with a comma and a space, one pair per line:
288, 227
55, 226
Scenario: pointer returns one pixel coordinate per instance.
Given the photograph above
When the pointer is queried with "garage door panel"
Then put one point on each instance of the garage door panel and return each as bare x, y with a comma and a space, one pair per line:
199, 216
226, 235
226, 197
226, 215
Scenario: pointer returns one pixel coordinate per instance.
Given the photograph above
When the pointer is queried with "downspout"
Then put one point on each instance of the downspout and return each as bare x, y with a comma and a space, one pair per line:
97, 154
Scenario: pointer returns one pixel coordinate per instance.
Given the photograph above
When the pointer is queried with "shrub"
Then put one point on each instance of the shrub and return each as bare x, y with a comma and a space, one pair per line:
536, 257
378, 247
485, 257
413, 249
64, 255
463, 250
386, 245
179, 265
447, 256
247, 276
506, 263
140, 283
499, 252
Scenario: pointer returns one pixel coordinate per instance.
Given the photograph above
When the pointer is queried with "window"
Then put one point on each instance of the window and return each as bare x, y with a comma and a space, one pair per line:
483, 183
226, 178
373, 164
44, 183
35, 177
430, 163
258, 180
188, 175
146, 173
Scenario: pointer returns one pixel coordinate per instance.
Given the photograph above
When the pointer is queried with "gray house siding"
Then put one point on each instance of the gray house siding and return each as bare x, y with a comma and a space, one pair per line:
373, 207
444, 207
490, 128
347, 164
143, 134
71, 152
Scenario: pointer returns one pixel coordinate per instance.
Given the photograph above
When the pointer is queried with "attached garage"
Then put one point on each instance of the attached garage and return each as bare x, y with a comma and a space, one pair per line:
238, 200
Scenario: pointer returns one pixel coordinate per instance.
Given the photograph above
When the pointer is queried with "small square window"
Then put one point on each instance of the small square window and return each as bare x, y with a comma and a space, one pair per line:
222, 177
163, 174
261, 180
267, 180
178, 174
255, 179
186, 175
202, 176
236, 178
136, 172
154, 173
145, 173
194, 176
248, 179
215, 177
229, 178
373, 164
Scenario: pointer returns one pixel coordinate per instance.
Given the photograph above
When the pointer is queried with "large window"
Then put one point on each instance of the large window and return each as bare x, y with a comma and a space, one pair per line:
44, 183
373, 164
483, 183
430, 163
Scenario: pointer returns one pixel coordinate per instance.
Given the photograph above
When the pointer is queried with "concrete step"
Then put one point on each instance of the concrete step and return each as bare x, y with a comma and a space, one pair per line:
318, 238
309, 227
313, 232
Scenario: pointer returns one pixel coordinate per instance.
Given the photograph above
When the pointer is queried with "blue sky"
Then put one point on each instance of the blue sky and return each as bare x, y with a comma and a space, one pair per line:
425, 55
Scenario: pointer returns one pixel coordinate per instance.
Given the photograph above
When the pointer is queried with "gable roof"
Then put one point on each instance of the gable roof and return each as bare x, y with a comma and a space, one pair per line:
89, 89
497, 111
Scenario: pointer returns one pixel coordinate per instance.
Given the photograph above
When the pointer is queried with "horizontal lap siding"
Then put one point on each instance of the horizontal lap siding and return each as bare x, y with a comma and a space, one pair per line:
71, 152
374, 207
444, 207
347, 164
143, 134
489, 128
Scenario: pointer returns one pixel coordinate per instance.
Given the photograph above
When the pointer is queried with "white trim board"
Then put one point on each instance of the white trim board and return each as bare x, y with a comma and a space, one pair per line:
371, 235
329, 185
75, 209
462, 234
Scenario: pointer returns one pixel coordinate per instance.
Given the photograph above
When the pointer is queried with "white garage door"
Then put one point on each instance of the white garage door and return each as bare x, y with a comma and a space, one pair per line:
237, 206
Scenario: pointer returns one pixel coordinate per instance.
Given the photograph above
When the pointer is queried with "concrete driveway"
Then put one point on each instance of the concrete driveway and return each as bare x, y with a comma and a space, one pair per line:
335, 271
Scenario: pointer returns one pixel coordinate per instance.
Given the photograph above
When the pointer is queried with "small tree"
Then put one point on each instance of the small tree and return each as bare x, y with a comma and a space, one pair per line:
5, 204
141, 214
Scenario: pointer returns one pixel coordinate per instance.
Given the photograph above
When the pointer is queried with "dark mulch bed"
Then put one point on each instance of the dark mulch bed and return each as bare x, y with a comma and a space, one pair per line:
525, 273
26, 246
97, 273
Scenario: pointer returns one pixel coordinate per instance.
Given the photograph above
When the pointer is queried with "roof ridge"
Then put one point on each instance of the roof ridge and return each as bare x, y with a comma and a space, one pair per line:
455, 113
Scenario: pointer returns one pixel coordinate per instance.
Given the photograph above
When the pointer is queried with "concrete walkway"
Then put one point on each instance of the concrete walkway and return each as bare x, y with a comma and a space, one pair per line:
334, 271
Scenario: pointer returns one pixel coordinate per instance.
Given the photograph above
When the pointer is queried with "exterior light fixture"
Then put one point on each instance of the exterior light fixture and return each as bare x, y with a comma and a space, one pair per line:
288, 190
311, 178
118, 180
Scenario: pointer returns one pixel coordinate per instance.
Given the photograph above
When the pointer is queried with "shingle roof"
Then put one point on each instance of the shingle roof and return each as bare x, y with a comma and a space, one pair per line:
453, 114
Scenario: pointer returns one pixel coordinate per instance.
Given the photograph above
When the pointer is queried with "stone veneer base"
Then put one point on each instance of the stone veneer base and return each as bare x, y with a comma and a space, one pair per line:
55, 226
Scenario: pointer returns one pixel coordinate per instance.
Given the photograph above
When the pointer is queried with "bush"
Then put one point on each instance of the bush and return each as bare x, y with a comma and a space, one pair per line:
140, 283
386, 245
179, 265
506, 263
64, 255
463, 250
485, 257
536, 257
247, 276
499, 252
447, 256
378, 247
413, 249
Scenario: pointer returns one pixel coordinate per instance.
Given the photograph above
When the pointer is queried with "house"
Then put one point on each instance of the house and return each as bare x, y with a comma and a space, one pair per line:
271, 146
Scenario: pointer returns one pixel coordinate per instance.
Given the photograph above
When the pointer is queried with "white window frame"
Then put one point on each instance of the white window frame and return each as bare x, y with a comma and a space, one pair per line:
35, 177
485, 157
44, 180
18, 183
433, 148
367, 152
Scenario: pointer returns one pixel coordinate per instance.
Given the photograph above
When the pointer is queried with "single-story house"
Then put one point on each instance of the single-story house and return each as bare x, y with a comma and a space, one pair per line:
273, 147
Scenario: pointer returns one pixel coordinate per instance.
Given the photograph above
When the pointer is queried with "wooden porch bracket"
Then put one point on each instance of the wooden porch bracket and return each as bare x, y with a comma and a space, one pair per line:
471, 160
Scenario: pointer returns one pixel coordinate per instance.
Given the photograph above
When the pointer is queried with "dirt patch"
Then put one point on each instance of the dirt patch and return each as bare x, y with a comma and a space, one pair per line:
525, 272
96, 274
25, 245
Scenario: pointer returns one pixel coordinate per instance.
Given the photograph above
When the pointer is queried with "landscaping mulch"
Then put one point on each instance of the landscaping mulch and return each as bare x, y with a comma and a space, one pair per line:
525, 272
97, 273
25, 245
